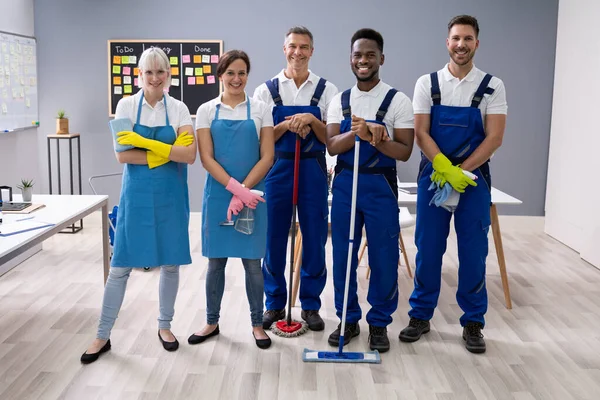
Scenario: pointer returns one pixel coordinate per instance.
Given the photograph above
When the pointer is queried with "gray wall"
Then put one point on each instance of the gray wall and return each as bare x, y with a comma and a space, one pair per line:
517, 44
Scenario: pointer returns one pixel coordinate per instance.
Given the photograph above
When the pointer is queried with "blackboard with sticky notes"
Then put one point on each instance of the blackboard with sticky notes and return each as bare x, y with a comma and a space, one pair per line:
18, 82
193, 66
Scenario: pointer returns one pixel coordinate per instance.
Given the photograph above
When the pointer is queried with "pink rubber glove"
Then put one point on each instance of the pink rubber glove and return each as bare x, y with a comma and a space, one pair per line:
248, 198
235, 206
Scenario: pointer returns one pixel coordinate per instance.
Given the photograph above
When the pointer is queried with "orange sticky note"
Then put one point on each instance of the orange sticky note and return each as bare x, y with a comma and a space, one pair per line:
126, 95
136, 71
206, 69
197, 59
174, 70
116, 80
117, 60
199, 80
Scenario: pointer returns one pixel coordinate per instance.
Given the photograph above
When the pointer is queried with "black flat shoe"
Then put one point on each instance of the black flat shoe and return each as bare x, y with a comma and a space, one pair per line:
169, 346
262, 343
90, 358
197, 339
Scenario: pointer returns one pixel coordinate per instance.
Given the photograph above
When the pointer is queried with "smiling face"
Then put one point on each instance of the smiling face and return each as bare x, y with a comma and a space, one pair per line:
154, 79
366, 59
235, 77
462, 43
298, 50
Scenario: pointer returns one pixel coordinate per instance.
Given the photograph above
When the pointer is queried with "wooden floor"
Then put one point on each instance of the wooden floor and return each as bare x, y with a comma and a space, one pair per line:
547, 347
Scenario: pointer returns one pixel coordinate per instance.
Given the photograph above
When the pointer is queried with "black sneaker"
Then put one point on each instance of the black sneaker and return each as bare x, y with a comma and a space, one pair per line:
313, 319
416, 327
352, 330
378, 338
473, 337
271, 316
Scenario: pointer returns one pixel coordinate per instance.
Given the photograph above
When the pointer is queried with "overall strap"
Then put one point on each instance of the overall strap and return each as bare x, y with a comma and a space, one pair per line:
436, 95
139, 113
166, 113
346, 111
318, 92
483, 88
248, 108
273, 87
385, 104
217, 111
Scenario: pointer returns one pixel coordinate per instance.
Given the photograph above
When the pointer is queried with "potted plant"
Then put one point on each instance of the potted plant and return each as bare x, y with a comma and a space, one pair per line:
62, 123
26, 187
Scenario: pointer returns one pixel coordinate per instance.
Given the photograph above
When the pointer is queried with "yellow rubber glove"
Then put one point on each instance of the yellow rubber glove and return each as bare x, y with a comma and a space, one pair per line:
133, 139
154, 160
438, 178
452, 173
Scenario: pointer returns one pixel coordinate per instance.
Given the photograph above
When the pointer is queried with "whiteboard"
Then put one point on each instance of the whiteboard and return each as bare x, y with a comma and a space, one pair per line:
18, 82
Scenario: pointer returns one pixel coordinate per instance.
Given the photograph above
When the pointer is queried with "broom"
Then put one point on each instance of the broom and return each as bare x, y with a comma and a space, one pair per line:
340, 356
288, 328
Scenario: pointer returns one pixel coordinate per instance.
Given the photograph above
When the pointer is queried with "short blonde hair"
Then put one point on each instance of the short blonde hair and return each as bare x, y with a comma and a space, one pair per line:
153, 57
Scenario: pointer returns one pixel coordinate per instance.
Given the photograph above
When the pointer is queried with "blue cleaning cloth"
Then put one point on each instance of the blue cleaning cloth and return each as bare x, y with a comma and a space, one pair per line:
445, 197
118, 125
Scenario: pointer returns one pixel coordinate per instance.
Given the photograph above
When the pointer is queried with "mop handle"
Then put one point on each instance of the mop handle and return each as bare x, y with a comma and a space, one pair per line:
293, 244
351, 239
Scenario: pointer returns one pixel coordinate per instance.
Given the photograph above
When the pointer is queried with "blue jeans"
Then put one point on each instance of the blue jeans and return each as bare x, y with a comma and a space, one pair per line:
215, 286
114, 292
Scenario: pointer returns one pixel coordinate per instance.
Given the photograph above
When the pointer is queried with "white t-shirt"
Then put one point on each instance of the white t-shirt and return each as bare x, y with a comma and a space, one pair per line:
366, 104
291, 95
260, 113
459, 93
179, 114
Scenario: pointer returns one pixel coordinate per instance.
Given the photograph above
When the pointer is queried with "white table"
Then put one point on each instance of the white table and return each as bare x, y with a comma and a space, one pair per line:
62, 211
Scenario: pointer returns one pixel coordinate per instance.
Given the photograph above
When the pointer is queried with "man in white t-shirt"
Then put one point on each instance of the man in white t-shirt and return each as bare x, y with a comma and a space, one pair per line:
299, 99
460, 116
382, 118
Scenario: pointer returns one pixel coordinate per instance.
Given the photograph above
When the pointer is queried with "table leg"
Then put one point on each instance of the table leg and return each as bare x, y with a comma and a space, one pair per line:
500, 254
105, 243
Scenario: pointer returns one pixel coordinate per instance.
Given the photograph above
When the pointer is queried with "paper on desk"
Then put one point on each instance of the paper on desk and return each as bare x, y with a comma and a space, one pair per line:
13, 228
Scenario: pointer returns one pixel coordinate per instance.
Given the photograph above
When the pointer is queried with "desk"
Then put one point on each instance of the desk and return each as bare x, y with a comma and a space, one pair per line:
498, 197
63, 211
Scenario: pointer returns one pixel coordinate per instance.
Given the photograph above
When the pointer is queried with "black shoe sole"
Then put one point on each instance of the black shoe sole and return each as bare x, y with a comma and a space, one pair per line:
410, 339
347, 339
474, 349
197, 339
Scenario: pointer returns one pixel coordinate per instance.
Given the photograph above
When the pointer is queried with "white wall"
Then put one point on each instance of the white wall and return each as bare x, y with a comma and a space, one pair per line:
19, 154
573, 191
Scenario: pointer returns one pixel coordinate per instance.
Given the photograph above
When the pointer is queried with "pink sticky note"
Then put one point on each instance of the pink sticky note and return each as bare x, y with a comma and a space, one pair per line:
191, 80
214, 59
210, 79
186, 58
126, 70
135, 81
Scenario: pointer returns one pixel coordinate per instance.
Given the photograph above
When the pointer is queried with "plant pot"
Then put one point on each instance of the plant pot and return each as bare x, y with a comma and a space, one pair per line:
62, 126
26, 192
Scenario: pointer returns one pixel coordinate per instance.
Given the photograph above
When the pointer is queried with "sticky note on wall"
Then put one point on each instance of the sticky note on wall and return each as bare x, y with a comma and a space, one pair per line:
174, 70
185, 58
199, 80
126, 70
174, 82
127, 89
197, 59
127, 80
136, 71
214, 59
199, 72
210, 79
191, 80
118, 90
207, 69
173, 60
189, 71
125, 60
116, 80
116, 69
132, 59
205, 58
117, 60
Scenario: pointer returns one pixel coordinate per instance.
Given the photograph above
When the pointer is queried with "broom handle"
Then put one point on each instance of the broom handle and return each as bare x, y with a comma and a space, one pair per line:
350, 239
294, 207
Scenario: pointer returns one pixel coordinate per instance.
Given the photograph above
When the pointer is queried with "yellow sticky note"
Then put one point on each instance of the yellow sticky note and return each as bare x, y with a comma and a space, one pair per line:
173, 60
197, 59
125, 60
198, 72
116, 69
127, 89
199, 80
207, 69
116, 80
136, 71
174, 70
117, 60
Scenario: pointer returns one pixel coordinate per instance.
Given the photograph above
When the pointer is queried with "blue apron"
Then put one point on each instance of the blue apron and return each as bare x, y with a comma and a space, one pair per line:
237, 150
377, 210
312, 207
457, 131
154, 208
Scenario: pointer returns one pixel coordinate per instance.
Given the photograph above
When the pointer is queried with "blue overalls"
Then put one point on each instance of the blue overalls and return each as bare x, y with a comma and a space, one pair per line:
457, 131
237, 150
377, 210
154, 208
312, 207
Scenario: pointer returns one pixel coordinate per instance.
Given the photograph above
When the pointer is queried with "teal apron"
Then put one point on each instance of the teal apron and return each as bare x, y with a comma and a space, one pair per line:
237, 150
154, 209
